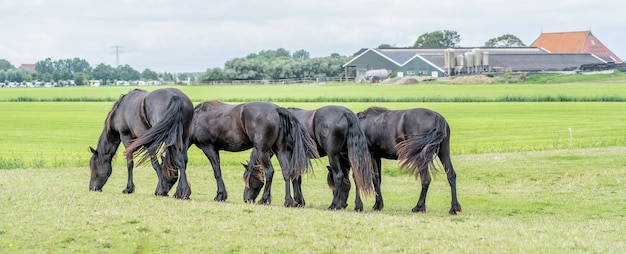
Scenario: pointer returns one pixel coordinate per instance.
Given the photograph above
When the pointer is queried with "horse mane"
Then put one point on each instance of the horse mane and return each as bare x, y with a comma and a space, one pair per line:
376, 109
104, 138
204, 105
257, 172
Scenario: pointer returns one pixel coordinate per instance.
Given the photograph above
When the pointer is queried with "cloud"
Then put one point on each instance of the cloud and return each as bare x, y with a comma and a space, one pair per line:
193, 35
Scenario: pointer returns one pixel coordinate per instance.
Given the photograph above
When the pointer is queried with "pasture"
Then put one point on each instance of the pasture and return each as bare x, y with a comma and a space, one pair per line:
533, 176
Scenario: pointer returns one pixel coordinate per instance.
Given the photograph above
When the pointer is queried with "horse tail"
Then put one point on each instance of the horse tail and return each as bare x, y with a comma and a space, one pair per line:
166, 136
296, 137
359, 156
416, 153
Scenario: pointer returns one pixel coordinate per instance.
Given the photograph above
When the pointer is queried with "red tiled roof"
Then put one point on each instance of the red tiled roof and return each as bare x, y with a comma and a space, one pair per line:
29, 67
574, 42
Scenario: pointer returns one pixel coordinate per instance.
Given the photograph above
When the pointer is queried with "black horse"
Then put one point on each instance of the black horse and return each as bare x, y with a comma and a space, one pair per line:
153, 124
413, 137
338, 135
266, 128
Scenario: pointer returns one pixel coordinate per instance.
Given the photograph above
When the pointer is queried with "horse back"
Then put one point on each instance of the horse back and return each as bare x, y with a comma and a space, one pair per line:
218, 124
384, 129
128, 118
157, 102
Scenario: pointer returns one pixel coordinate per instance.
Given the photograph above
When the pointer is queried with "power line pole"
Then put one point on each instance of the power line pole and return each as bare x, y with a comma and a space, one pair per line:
117, 50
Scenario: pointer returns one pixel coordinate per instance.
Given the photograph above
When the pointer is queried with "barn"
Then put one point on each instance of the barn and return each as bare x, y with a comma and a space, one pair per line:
440, 62
575, 42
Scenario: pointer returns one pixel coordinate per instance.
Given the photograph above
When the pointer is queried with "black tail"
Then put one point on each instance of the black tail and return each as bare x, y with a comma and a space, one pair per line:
417, 153
303, 146
359, 156
162, 137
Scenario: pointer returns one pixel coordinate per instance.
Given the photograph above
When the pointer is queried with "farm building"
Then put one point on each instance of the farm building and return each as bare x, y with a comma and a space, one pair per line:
575, 42
439, 62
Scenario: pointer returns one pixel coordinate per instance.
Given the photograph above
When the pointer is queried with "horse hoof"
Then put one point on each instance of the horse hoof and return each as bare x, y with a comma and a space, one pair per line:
220, 197
265, 201
455, 208
419, 209
157, 193
378, 207
128, 190
180, 195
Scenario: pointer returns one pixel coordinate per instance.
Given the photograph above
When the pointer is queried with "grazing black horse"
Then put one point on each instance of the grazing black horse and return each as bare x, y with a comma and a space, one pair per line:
266, 128
338, 135
413, 137
153, 124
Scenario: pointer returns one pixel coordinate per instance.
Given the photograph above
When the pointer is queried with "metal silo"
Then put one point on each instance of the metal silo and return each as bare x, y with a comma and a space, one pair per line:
478, 57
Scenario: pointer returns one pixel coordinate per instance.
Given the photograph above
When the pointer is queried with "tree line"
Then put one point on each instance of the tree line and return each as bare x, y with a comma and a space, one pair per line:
264, 65
78, 71
277, 64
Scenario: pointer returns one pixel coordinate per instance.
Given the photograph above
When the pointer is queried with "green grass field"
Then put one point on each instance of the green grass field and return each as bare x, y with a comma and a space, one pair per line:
542, 176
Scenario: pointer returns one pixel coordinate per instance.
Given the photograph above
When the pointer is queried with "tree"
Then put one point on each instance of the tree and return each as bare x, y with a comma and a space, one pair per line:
103, 72
125, 72
438, 39
148, 74
182, 77
385, 46
6, 65
301, 54
505, 41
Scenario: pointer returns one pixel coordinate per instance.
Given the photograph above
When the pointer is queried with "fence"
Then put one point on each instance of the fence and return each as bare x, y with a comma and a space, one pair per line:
278, 81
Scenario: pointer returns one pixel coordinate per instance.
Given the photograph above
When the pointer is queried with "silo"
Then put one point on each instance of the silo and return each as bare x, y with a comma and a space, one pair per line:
469, 59
446, 58
449, 59
478, 56
486, 58
459, 60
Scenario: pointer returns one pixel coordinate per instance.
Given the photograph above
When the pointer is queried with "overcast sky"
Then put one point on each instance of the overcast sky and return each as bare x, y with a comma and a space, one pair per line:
193, 35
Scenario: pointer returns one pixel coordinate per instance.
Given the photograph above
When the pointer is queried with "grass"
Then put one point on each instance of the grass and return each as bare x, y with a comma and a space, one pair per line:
57, 134
344, 92
532, 177
549, 202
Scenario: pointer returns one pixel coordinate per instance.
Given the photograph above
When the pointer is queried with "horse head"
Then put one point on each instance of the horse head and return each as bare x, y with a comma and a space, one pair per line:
100, 170
253, 179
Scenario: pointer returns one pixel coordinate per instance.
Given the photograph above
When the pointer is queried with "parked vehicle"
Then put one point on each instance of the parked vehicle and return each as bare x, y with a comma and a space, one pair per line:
377, 75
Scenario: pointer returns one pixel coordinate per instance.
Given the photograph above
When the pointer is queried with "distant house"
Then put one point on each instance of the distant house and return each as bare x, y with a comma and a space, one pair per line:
94, 82
575, 42
29, 67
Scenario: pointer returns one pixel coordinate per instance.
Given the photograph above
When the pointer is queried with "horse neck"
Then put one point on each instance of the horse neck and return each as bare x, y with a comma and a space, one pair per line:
108, 143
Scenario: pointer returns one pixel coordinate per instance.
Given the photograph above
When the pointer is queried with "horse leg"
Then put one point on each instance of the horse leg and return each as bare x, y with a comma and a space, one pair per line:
130, 186
284, 159
337, 178
130, 164
214, 158
269, 176
289, 201
297, 192
346, 185
160, 190
444, 157
379, 205
183, 191
421, 203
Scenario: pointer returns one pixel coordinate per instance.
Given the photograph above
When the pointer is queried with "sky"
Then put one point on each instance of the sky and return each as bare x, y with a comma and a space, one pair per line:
195, 35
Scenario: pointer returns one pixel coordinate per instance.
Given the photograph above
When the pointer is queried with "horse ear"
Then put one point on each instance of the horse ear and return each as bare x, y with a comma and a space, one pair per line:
93, 151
